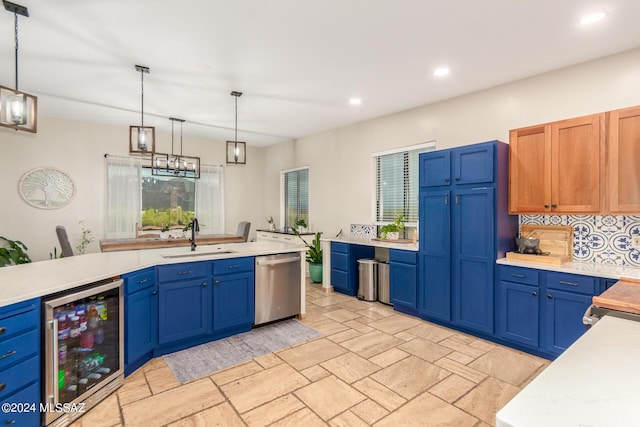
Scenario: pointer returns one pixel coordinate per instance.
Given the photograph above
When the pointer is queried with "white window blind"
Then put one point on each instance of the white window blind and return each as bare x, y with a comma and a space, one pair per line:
397, 185
296, 196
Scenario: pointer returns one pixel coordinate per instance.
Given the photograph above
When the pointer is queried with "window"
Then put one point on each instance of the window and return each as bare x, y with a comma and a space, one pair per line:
397, 183
295, 191
167, 200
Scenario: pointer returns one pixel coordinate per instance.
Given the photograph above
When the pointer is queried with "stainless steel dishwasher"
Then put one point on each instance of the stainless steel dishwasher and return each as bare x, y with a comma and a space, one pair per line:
277, 287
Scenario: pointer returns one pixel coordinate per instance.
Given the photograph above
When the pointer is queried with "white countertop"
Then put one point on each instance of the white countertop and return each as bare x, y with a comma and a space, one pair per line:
369, 242
25, 281
593, 383
575, 267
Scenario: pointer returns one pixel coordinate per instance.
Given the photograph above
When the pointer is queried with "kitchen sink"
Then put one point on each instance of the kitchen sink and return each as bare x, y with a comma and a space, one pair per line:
197, 254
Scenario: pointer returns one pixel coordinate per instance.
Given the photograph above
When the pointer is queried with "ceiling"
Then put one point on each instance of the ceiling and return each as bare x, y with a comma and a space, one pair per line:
298, 62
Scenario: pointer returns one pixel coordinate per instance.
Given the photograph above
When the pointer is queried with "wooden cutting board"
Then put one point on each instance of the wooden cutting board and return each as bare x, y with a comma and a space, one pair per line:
556, 239
624, 295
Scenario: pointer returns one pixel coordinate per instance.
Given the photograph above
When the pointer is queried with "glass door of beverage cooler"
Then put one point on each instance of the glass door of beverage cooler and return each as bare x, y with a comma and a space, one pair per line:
83, 346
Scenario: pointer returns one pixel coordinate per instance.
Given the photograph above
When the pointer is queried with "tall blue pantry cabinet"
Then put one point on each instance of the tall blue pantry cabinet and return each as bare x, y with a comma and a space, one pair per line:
464, 228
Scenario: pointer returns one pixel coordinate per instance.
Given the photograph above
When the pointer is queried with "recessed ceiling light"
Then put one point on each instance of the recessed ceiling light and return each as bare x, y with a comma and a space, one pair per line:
355, 101
440, 72
594, 17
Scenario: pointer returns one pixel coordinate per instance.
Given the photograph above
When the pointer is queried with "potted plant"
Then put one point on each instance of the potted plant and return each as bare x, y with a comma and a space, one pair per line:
272, 226
314, 256
392, 231
164, 231
301, 225
13, 252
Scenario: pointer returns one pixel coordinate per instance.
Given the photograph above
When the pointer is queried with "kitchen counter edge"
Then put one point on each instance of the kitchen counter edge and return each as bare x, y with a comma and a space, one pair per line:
370, 242
575, 267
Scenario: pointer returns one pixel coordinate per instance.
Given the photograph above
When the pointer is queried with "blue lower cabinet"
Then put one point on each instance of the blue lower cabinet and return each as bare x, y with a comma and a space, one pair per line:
563, 312
28, 400
344, 265
233, 301
140, 318
517, 317
403, 278
184, 310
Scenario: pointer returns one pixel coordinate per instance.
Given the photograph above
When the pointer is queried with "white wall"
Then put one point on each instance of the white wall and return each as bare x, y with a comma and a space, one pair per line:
78, 149
340, 174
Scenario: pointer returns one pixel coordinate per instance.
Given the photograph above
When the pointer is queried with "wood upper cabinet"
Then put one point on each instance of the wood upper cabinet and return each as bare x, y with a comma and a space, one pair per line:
557, 167
624, 160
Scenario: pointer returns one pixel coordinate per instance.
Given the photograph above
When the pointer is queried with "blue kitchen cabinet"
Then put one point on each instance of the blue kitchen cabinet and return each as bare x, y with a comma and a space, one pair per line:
20, 361
403, 279
474, 164
233, 294
518, 305
435, 169
140, 318
344, 265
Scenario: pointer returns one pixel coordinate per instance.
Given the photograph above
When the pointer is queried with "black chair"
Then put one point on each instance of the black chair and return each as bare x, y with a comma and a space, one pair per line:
243, 229
64, 241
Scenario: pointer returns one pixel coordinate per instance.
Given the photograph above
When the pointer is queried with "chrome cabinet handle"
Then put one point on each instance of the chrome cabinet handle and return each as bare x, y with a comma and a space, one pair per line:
534, 293
238, 266
457, 178
549, 296
520, 276
154, 293
457, 199
181, 273
568, 283
10, 423
217, 282
446, 200
145, 280
7, 354
204, 284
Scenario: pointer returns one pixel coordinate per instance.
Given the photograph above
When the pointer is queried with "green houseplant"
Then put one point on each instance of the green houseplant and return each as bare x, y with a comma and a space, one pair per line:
13, 252
314, 256
392, 231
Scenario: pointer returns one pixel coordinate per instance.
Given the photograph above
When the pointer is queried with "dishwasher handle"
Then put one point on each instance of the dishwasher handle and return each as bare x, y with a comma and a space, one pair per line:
277, 261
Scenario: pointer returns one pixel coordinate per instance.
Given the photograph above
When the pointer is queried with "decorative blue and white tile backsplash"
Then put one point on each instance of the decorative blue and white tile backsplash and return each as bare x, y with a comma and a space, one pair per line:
599, 239
363, 231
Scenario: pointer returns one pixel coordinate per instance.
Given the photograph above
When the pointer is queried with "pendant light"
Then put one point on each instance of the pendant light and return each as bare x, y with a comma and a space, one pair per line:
142, 139
175, 165
236, 151
18, 110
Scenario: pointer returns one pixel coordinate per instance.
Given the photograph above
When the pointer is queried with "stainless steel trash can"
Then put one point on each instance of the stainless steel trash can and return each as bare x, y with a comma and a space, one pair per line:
368, 279
383, 283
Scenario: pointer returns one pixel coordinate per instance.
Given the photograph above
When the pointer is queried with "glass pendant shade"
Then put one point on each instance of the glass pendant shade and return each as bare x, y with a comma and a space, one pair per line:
142, 139
236, 153
176, 165
18, 110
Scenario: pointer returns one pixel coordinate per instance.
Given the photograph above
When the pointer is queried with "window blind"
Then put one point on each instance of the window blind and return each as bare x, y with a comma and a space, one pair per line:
296, 196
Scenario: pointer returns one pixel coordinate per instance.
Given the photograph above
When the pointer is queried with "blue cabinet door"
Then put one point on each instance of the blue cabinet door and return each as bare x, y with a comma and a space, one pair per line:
474, 164
183, 310
473, 258
402, 284
563, 325
517, 317
435, 254
435, 168
233, 300
140, 326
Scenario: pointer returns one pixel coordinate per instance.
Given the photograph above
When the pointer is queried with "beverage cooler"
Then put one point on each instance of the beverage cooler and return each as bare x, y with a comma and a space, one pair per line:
83, 351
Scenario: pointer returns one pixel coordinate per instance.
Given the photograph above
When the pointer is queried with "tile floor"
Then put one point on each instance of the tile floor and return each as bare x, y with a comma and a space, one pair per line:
373, 366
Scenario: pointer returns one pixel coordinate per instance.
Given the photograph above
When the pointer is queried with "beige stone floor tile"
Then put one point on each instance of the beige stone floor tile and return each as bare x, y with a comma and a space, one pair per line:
462, 338
315, 373
394, 324
330, 299
373, 314
369, 411
252, 391
464, 348
329, 397
410, 377
268, 360
155, 363
311, 353
172, 405
425, 349
371, 344
460, 357
341, 315
273, 411
161, 379
350, 367
483, 345
428, 410
365, 320
347, 419
358, 326
404, 336
344, 335
377, 392
463, 370
431, 332
508, 365
104, 414
221, 415
452, 388
327, 326
303, 417
389, 357
476, 402
135, 388
355, 304
236, 372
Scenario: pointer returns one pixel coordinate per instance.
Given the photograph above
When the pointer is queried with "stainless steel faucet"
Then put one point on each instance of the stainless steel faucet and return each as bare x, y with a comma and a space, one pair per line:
194, 227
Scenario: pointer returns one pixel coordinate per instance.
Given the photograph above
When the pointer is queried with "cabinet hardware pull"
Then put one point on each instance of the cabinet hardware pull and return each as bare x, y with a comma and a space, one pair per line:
154, 293
238, 266
446, 200
145, 280
553, 205
457, 178
568, 283
521, 276
2, 386
217, 282
2, 330
446, 180
10, 353
546, 206
204, 284
10, 423
549, 296
180, 273
534, 293
457, 199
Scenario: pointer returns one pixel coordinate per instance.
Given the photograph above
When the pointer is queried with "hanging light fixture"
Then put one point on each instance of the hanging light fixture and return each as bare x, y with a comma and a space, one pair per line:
236, 151
175, 165
142, 139
18, 110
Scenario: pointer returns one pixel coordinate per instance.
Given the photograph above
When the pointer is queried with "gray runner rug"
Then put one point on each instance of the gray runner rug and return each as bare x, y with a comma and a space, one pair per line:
207, 358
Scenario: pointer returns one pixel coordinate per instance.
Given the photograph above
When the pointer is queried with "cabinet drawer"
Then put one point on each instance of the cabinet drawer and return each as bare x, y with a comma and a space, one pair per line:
571, 283
18, 324
18, 376
261, 236
17, 348
184, 271
31, 417
139, 280
406, 257
342, 248
339, 261
233, 265
527, 276
18, 308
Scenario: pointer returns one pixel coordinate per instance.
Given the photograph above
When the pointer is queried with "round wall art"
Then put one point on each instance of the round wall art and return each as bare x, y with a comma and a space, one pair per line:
46, 188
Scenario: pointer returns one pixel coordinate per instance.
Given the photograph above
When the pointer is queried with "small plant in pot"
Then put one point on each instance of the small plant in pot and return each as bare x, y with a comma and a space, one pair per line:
300, 225
392, 231
272, 225
314, 256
